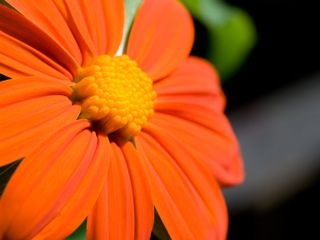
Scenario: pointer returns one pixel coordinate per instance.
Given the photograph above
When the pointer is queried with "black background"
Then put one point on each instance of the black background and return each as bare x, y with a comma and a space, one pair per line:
287, 52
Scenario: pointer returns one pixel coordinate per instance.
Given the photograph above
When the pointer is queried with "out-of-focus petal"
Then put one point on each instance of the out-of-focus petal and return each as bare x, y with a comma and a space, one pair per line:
23, 45
46, 15
190, 103
161, 37
30, 108
64, 178
97, 24
123, 210
185, 193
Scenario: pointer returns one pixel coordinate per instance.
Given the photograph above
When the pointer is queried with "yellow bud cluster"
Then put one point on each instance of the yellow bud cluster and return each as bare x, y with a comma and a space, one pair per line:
115, 93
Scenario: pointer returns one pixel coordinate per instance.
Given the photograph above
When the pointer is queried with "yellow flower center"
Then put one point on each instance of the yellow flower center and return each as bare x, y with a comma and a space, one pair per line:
116, 94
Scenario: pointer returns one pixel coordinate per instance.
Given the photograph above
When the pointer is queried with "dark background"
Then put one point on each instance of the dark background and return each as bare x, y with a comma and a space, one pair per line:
287, 52
287, 49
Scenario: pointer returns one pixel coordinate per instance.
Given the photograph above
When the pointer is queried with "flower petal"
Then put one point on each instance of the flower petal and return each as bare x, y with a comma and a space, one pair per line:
113, 214
141, 191
30, 109
25, 88
195, 80
42, 14
217, 147
19, 59
99, 24
190, 103
124, 210
86, 195
25, 51
161, 37
55, 186
186, 195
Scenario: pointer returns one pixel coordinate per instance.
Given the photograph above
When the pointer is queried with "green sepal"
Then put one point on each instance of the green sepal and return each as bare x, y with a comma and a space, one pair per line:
3, 2
79, 233
159, 229
6, 173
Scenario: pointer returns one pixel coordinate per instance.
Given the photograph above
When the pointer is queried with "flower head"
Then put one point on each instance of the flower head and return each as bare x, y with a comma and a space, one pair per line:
110, 135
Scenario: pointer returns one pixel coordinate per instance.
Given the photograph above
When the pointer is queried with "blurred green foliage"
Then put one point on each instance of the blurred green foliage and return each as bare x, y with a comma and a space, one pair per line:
231, 34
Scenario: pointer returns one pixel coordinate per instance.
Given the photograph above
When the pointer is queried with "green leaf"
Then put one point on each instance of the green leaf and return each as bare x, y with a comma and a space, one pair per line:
232, 34
131, 8
80, 233
209, 12
232, 43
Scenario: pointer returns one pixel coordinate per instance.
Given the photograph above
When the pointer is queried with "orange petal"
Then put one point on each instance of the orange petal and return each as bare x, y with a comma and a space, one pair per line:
186, 195
42, 14
22, 46
195, 80
216, 146
30, 109
113, 215
124, 210
86, 195
25, 88
54, 187
192, 104
99, 24
19, 59
161, 37
141, 191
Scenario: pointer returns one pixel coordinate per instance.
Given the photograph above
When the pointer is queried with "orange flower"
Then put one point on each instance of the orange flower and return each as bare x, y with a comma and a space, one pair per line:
109, 135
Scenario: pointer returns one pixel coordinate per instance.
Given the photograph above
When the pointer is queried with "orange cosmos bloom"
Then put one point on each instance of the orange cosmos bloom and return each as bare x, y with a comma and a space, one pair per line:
108, 135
